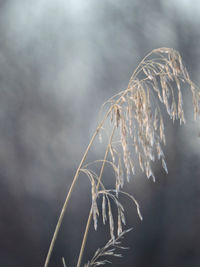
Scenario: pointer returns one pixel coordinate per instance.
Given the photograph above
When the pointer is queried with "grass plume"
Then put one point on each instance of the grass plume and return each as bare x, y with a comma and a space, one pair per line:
136, 139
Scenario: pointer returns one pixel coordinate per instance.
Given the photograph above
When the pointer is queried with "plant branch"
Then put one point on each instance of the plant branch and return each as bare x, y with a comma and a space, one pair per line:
90, 213
71, 189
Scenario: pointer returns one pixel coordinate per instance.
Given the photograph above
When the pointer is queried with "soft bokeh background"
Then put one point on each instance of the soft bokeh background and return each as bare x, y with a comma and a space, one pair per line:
59, 61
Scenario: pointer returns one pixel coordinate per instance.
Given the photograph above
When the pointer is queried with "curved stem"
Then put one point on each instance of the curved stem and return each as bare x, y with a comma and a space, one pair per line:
90, 213
71, 189
74, 182
137, 70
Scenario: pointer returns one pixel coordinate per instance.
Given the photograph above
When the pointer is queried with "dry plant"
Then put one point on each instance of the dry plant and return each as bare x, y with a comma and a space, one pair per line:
136, 138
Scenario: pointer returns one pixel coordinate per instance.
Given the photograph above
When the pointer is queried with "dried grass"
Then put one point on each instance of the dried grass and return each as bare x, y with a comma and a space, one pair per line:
137, 139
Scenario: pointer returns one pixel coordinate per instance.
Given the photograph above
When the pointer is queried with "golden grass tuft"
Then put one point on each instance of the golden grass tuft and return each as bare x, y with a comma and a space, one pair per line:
136, 139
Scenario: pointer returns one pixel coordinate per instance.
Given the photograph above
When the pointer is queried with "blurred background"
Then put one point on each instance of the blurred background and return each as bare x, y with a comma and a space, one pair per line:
59, 61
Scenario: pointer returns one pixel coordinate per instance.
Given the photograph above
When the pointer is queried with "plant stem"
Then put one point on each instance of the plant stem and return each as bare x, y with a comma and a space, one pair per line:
90, 213
71, 189
137, 70
74, 182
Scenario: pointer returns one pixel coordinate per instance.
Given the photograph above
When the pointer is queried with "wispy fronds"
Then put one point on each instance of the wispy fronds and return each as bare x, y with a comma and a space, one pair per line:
106, 206
136, 111
100, 256
137, 139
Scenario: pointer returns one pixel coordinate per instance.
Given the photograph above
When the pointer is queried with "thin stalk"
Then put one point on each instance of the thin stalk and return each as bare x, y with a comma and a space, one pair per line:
137, 70
74, 182
71, 189
90, 213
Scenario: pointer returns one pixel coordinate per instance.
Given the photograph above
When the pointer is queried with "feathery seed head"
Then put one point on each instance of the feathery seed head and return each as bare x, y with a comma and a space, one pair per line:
136, 115
158, 78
